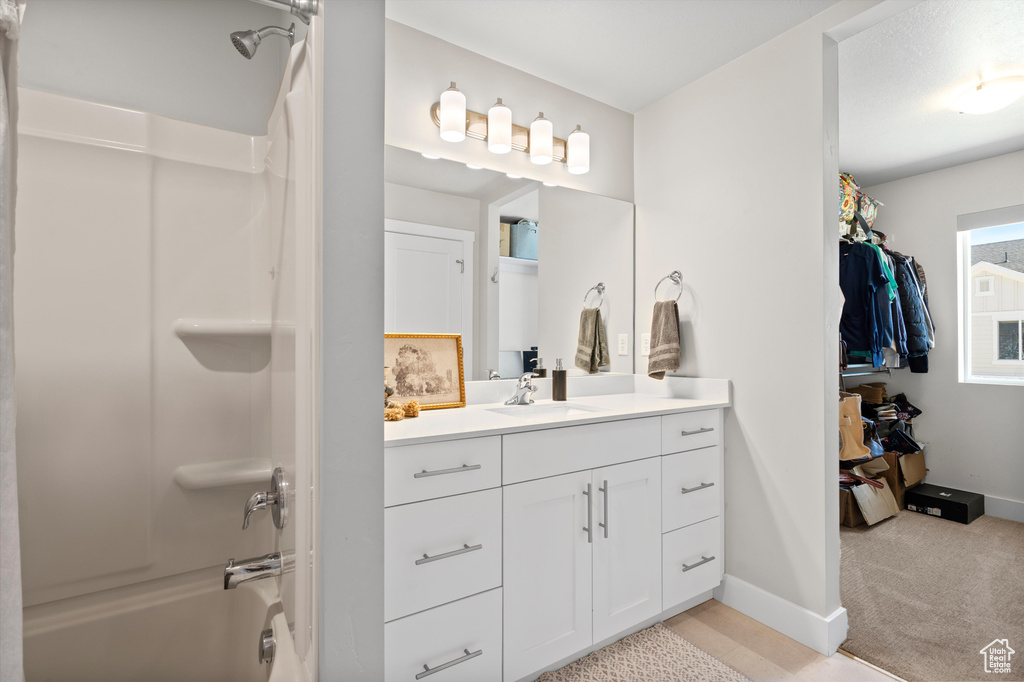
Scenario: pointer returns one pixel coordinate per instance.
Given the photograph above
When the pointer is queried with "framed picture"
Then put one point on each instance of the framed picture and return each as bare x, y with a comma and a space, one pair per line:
426, 368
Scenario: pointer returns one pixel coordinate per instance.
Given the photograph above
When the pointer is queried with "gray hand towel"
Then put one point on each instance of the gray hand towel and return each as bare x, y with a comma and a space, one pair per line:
592, 349
665, 350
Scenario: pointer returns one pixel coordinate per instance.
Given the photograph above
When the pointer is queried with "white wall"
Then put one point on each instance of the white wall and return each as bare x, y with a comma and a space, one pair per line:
420, 67
584, 239
735, 179
352, 445
422, 206
168, 57
974, 431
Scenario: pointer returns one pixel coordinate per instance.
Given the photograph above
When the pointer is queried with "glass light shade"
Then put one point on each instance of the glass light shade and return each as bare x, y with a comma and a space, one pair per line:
577, 152
453, 115
989, 96
499, 128
541, 140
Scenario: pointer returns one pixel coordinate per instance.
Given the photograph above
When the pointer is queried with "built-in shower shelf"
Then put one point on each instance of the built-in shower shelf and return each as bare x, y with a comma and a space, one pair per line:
223, 474
243, 333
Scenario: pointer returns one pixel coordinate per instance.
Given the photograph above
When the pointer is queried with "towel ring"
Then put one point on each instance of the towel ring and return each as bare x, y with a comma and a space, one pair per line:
677, 279
599, 288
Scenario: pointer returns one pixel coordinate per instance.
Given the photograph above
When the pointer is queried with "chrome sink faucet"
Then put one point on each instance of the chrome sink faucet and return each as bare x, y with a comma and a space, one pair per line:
266, 566
524, 391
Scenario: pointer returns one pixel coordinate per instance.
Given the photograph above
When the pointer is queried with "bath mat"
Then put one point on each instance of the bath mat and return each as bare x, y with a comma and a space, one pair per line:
653, 655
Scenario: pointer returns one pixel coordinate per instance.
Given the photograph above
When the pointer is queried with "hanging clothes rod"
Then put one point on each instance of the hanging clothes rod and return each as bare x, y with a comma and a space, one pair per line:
858, 372
303, 9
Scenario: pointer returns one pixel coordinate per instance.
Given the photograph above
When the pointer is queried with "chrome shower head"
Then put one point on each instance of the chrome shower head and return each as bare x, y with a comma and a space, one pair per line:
246, 42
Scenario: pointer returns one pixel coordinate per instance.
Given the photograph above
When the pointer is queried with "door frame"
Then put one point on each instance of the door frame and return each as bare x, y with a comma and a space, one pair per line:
468, 239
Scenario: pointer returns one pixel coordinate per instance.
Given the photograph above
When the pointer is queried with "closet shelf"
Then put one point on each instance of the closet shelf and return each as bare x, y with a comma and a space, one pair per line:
223, 474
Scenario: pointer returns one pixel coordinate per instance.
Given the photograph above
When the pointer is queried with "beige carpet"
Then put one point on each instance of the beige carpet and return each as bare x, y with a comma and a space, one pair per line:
653, 655
925, 595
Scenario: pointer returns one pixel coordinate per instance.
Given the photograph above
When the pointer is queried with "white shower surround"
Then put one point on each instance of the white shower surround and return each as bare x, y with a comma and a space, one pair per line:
131, 223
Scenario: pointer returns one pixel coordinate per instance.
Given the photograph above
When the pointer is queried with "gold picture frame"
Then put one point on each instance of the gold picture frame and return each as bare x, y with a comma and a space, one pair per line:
422, 367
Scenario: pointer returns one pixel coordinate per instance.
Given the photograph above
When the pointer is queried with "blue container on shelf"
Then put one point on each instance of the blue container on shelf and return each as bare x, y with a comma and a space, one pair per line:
523, 240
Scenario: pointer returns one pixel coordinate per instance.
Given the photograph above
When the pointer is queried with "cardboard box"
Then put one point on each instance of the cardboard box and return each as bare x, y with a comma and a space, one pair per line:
504, 239
876, 504
946, 503
912, 468
849, 512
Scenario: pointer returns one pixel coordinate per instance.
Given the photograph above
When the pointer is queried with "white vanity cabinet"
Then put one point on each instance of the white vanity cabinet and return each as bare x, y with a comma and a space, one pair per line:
534, 546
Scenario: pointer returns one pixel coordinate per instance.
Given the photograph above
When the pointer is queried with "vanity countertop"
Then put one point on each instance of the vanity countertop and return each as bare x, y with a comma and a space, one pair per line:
497, 419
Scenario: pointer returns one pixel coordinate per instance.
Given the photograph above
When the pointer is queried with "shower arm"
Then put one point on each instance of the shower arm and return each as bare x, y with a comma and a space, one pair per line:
303, 9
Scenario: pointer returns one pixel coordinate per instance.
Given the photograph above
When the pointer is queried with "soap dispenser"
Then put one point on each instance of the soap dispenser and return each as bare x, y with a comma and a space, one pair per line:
558, 381
539, 369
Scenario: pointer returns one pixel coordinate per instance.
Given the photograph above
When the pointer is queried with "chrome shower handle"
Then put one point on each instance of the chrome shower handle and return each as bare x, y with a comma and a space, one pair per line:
276, 498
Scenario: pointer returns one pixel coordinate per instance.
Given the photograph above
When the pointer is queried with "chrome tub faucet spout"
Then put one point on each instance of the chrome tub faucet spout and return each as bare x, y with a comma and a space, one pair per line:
266, 566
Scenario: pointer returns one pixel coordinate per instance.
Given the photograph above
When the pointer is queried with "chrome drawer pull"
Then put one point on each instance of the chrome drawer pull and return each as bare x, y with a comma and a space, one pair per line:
703, 560
604, 525
590, 513
699, 487
706, 429
444, 666
466, 549
442, 472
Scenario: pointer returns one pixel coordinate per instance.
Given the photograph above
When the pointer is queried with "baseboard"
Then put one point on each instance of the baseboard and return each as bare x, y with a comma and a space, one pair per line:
1004, 508
824, 634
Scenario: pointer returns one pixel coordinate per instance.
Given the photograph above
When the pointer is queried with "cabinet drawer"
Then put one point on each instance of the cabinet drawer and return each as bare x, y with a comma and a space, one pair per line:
692, 549
448, 635
691, 487
690, 430
422, 472
460, 537
538, 454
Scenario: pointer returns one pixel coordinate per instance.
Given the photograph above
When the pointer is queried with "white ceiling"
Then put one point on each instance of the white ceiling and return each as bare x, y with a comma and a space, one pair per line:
896, 80
626, 53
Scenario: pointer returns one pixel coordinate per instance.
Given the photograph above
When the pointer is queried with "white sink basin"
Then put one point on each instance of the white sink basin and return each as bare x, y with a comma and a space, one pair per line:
546, 410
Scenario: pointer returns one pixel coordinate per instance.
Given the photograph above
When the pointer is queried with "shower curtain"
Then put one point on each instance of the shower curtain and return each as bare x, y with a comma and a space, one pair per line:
11, 667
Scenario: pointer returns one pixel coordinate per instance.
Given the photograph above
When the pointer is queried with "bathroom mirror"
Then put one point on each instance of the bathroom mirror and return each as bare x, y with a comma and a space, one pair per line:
506, 262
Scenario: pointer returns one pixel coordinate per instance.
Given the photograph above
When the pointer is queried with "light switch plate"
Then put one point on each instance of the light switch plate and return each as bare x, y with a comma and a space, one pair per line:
623, 344
645, 344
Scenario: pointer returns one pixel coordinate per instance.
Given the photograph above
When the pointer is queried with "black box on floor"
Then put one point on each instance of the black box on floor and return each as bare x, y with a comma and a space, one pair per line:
946, 503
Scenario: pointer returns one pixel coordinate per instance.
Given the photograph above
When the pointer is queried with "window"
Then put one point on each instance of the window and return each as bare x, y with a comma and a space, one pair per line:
984, 286
992, 299
1009, 345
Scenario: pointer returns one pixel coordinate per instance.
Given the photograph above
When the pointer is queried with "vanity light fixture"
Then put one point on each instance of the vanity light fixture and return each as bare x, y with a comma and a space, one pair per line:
542, 140
453, 115
499, 128
577, 154
457, 123
990, 95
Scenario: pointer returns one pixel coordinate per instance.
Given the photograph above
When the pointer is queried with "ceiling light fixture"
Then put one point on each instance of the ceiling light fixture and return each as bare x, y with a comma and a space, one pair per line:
453, 115
471, 166
514, 176
990, 95
429, 156
550, 184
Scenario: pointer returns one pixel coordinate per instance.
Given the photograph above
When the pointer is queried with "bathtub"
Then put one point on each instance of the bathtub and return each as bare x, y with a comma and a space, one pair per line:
185, 628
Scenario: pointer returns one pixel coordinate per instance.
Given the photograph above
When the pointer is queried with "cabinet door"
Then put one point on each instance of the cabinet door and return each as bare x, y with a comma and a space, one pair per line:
627, 545
547, 571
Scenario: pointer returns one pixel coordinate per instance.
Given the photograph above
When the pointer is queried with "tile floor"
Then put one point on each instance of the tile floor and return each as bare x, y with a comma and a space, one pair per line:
762, 654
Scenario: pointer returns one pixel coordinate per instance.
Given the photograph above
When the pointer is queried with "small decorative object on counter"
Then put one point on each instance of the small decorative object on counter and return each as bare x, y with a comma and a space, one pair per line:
388, 391
395, 413
412, 409
558, 381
